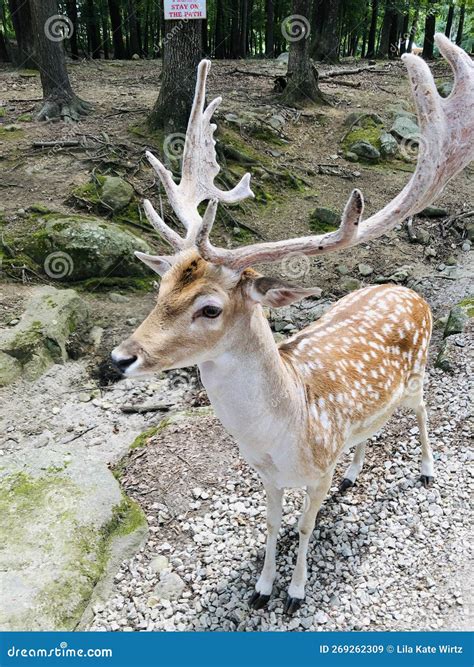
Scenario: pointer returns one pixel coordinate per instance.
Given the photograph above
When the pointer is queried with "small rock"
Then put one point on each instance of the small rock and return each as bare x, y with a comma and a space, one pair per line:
365, 269
405, 128
458, 317
321, 617
159, 564
349, 284
365, 150
118, 298
451, 261
388, 145
466, 246
116, 193
84, 397
170, 586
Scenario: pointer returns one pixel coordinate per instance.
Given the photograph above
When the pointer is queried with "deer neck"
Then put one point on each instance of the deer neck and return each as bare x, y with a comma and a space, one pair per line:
254, 392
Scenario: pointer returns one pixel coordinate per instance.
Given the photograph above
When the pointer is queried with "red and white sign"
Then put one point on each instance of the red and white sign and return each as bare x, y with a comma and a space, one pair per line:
176, 11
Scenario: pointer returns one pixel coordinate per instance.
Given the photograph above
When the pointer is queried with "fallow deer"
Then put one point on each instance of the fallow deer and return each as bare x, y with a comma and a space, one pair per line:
293, 408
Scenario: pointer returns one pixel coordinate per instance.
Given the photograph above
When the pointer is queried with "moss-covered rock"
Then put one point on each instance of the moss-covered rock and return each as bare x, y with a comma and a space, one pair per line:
57, 533
365, 150
41, 336
459, 316
76, 248
324, 220
116, 193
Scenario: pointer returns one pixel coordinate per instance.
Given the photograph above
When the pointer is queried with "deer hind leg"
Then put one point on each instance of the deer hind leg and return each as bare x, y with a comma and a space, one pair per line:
264, 585
354, 469
427, 468
313, 501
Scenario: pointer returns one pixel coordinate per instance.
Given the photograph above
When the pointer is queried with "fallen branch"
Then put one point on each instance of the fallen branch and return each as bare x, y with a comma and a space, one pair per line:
349, 84
66, 143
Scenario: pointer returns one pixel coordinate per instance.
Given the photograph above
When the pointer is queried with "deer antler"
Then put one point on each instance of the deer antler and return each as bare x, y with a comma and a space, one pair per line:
199, 169
446, 146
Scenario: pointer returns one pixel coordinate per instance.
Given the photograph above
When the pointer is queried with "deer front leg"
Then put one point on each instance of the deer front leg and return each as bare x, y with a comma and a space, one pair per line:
264, 585
313, 501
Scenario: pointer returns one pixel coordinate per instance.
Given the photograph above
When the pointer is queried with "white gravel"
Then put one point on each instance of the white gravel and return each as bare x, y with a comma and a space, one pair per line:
388, 555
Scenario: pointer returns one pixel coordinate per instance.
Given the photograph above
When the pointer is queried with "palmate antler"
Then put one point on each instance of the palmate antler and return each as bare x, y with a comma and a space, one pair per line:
199, 169
446, 146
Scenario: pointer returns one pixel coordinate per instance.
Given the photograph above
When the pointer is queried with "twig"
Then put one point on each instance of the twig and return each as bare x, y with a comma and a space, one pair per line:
129, 408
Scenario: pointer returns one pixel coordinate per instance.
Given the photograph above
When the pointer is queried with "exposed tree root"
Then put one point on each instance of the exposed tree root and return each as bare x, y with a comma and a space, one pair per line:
68, 109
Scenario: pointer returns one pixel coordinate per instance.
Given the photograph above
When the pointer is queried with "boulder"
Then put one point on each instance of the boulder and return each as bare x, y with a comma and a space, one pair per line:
459, 316
446, 359
388, 145
40, 338
283, 57
405, 128
116, 193
169, 587
365, 150
74, 248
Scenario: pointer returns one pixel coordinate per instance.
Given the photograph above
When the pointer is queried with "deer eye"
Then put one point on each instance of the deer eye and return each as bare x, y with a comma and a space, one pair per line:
211, 311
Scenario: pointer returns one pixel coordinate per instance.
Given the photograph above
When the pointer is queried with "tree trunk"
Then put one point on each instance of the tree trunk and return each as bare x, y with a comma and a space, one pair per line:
302, 87
384, 45
59, 99
235, 32
394, 35
116, 25
373, 30
414, 26
93, 30
404, 35
430, 28
327, 39
134, 46
449, 20
269, 29
182, 53
243, 28
20, 12
71, 9
462, 14
220, 30
4, 57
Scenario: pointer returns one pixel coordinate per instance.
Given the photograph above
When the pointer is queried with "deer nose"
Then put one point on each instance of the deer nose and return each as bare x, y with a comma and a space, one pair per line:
121, 362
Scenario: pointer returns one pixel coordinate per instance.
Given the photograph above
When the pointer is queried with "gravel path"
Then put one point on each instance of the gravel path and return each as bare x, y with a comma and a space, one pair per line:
389, 555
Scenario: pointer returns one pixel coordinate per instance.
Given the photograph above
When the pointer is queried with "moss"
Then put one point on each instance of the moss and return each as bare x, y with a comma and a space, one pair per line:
371, 132
468, 304
126, 519
3, 112
10, 135
40, 208
25, 118
141, 441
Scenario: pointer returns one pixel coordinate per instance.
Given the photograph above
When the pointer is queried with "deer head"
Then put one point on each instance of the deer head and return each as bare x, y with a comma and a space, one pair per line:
208, 294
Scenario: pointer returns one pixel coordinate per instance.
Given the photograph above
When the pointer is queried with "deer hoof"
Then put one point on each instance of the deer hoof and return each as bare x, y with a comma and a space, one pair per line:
258, 601
426, 480
345, 484
292, 605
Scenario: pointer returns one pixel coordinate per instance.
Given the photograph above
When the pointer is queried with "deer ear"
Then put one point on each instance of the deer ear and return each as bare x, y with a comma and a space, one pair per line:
275, 293
160, 265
